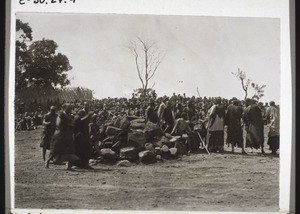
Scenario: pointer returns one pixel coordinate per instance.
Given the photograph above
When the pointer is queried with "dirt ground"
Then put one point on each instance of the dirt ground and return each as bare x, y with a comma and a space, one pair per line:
216, 182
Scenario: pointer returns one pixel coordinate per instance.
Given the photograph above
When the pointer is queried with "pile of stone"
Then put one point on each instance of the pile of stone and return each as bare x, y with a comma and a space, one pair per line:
131, 139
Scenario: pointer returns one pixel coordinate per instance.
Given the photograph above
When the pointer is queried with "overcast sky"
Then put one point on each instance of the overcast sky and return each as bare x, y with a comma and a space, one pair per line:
199, 52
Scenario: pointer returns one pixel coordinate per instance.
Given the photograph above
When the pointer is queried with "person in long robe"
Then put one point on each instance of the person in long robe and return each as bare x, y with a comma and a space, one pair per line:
49, 129
161, 109
62, 144
168, 117
94, 132
83, 148
272, 115
151, 114
234, 127
215, 127
254, 126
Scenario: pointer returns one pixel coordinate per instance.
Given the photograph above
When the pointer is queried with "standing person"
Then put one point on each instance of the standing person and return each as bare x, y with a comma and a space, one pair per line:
94, 132
83, 148
28, 121
62, 143
215, 127
169, 117
49, 129
178, 110
254, 126
150, 112
181, 128
161, 109
272, 115
234, 127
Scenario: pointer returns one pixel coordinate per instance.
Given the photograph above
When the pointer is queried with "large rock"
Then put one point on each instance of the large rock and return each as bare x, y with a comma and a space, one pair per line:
169, 144
147, 157
129, 153
152, 131
136, 125
124, 163
181, 149
165, 152
136, 138
124, 123
108, 154
132, 117
160, 142
109, 123
150, 147
175, 139
117, 122
117, 146
173, 151
138, 120
157, 150
158, 157
112, 131
108, 144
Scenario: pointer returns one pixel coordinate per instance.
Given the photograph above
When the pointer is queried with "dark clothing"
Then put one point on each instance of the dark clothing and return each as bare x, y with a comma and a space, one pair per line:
254, 126
83, 147
234, 127
151, 115
273, 143
178, 113
49, 130
94, 138
216, 141
191, 113
215, 136
62, 144
169, 119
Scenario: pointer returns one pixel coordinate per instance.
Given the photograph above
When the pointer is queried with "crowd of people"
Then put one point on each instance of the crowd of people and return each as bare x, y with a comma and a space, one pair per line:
72, 131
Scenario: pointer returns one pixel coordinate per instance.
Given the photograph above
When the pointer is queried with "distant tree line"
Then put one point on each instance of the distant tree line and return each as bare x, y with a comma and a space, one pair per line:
41, 70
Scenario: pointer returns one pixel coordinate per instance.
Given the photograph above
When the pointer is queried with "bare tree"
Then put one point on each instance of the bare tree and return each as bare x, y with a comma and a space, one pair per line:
241, 75
147, 60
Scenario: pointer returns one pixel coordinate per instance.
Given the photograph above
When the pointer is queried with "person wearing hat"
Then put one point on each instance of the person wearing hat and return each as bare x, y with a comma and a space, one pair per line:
49, 129
151, 113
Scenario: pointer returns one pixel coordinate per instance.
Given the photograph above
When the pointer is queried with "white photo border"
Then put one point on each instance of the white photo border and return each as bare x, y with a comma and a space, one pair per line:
222, 8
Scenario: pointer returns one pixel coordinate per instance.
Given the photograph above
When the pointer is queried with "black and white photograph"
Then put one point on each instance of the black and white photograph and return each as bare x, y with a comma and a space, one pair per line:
147, 112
